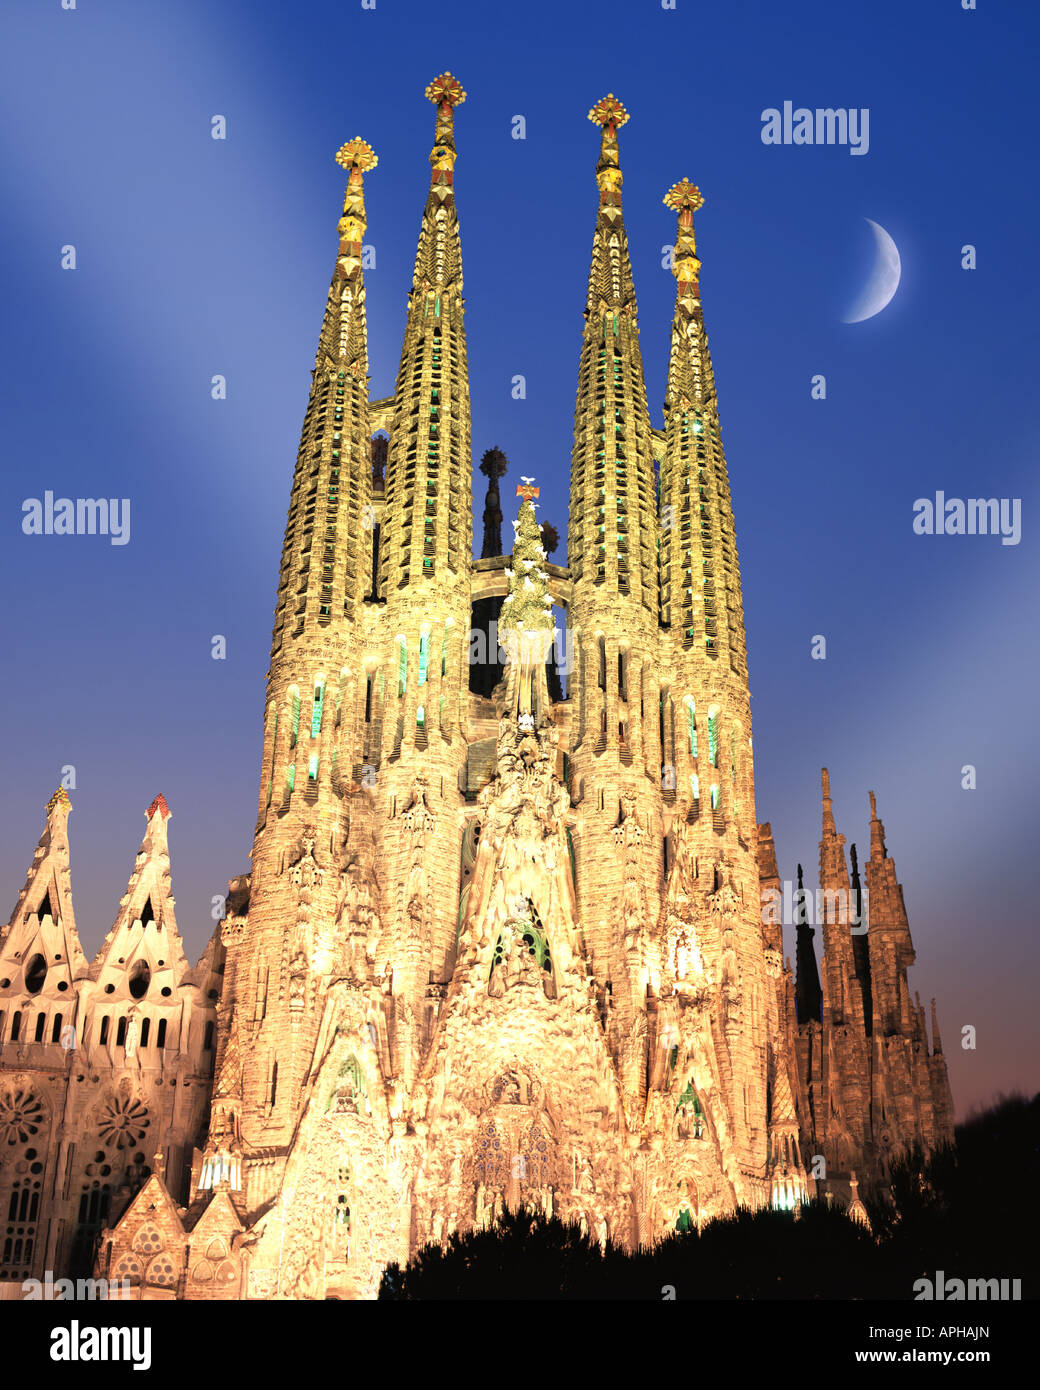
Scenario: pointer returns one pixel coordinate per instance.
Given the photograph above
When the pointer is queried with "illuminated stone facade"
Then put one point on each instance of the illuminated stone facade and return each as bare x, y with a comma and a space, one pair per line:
494, 948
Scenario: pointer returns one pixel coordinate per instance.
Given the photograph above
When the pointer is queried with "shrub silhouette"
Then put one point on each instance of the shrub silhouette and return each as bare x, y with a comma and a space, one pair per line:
969, 1211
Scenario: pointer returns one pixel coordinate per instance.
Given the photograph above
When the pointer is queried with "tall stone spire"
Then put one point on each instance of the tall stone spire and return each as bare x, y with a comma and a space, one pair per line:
891, 946
612, 541
325, 553
700, 574
808, 996
428, 516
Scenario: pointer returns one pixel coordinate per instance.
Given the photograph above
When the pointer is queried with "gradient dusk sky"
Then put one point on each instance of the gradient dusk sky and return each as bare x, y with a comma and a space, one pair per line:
197, 257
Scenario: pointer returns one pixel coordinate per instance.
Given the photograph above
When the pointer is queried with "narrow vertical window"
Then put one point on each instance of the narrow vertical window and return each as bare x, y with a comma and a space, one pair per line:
691, 716
295, 720
56, 1029
319, 705
424, 656
160, 1035
402, 667
713, 739
103, 1036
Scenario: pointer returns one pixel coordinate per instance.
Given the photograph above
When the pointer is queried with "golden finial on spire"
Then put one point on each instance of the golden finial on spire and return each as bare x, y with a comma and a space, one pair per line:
357, 154
683, 194
445, 89
685, 198
60, 798
609, 114
358, 157
608, 111
446, 93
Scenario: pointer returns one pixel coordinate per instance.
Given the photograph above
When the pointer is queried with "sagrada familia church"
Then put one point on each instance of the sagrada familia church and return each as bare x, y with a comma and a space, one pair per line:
500, 944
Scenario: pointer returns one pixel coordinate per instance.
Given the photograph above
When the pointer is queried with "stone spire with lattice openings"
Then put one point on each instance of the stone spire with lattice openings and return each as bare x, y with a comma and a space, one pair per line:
891, 947
41, 958
700, 574
427, 522
808, 996
327, 546
613, 533
844, 995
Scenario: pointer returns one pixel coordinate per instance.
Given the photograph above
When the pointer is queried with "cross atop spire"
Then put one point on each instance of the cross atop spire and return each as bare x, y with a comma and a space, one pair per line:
610, 115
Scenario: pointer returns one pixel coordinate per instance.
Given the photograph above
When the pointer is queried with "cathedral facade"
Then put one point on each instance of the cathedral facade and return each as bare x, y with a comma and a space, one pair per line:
500, 944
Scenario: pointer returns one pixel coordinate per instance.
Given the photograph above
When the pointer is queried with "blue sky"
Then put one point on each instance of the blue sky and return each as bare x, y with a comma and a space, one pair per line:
197, 257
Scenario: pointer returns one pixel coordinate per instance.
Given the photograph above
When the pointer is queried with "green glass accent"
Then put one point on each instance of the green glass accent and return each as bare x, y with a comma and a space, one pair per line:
424, 656
713, 739
319, 705
290, 776
714, 796
295, 721
402, 668
312, 768
437, 307
685, 1220
691, 716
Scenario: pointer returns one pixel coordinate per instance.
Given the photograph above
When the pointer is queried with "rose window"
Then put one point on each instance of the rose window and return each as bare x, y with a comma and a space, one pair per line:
21, 1115
124, 1123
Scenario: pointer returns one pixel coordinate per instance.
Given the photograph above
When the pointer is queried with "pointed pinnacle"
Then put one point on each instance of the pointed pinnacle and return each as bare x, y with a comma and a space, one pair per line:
60, 799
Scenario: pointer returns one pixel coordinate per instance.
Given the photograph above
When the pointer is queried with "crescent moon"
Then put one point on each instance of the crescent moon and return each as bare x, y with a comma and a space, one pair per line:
884, 278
